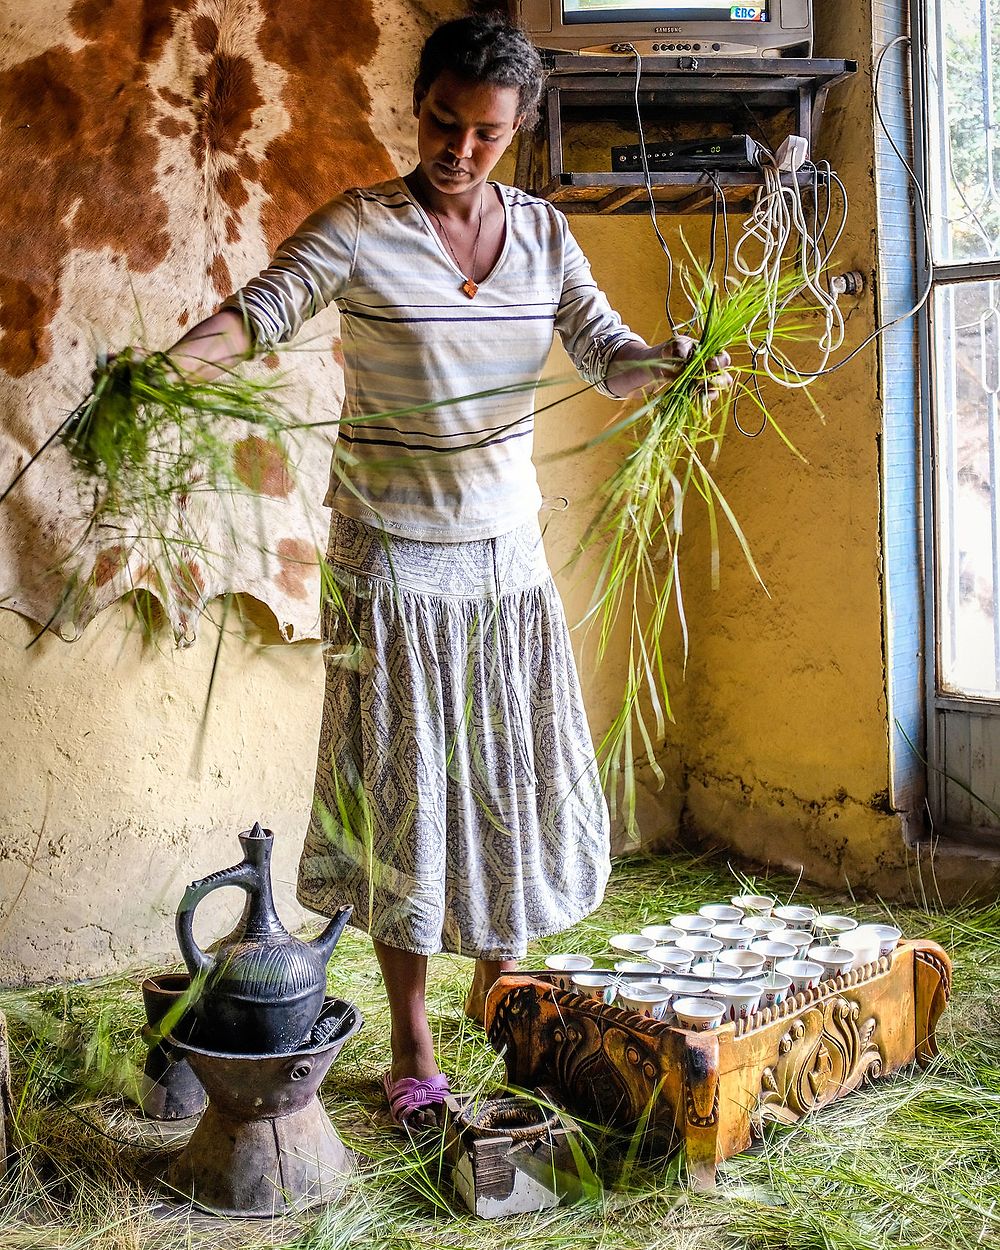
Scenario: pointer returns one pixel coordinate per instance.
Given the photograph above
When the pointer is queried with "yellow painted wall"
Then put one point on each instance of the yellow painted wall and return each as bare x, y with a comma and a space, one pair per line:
783, 721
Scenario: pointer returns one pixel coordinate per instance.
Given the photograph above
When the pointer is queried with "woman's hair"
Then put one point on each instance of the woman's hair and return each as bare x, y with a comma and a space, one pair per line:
487, 50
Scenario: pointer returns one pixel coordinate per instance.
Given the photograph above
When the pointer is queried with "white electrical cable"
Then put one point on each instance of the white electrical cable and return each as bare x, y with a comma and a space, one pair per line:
778, 225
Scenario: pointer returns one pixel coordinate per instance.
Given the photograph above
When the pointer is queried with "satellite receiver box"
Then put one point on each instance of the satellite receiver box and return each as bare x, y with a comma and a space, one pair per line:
737, 152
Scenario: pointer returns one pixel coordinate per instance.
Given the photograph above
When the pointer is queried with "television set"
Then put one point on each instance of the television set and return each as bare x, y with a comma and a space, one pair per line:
765, 28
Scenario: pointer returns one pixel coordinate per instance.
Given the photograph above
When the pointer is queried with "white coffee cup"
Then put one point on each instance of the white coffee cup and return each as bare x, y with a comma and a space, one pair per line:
774, 987
699, 1013
828, 927
662, 934
721, 913
754, 904
887, 936
796, 915
801, 939
683, 987
565, 965
633, 944
744, 963
742, 998
836, 960
645, 999
764, 926
864, 946
692, 924
803, 972
600, 985
734, 936
671, 957
700, 945
638, 966
569, 963
773, 951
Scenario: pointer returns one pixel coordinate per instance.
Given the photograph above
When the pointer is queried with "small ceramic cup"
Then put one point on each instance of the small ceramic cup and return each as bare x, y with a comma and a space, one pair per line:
828, 927
743, 963
834, 959
774, 987
754, 904
693, 924
662, 934
646, 999
565, 965
645, 966
772, 952
600, 985
864, 946
709, 971
801, 939
700, 946
685, 987
796, 916
804, 973
672, 958
735, 937
741, 998
887, 936
631, 944
764, 926
699, 1013
721, 913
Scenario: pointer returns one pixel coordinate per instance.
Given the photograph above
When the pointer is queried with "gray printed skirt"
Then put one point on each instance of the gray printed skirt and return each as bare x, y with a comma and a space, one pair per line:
457, 803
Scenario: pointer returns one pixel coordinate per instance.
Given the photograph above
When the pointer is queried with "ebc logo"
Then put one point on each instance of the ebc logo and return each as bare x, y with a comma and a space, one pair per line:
744, 13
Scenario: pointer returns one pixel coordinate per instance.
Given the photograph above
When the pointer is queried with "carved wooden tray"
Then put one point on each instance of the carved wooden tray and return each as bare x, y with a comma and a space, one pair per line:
709, 1092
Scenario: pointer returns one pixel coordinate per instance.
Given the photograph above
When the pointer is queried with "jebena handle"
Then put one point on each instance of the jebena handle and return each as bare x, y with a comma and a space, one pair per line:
243, 874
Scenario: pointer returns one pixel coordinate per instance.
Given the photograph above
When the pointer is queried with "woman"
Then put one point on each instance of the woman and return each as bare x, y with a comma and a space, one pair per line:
457, 799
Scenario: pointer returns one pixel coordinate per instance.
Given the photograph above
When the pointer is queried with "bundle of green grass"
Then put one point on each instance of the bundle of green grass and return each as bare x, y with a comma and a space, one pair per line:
674, 440
147, 436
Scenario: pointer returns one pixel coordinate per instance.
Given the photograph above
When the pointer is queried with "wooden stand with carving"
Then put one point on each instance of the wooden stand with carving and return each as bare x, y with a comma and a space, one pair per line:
710, 1092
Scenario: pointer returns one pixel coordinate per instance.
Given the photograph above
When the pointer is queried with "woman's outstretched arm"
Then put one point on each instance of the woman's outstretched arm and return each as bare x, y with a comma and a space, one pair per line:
213, 346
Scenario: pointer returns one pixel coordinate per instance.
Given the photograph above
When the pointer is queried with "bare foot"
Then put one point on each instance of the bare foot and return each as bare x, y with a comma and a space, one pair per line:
487, 972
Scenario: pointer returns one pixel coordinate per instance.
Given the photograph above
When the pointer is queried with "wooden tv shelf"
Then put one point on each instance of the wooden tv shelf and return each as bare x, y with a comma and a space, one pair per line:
774, 96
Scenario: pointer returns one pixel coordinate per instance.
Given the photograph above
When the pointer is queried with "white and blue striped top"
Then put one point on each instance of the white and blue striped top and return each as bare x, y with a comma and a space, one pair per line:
422, 452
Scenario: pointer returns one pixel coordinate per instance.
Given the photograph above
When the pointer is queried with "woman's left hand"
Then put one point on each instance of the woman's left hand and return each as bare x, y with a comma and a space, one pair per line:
634, 366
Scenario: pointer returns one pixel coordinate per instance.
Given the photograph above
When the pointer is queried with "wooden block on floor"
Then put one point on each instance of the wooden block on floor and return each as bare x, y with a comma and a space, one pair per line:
5, 1099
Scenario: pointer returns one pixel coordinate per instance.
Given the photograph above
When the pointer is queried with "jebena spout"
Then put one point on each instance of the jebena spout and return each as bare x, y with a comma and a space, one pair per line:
330, 936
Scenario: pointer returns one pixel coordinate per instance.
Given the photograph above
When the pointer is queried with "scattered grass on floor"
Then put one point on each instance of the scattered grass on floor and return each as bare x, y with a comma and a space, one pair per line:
910, 1162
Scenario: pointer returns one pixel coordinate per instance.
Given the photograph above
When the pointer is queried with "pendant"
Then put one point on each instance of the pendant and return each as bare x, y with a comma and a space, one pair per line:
470, 288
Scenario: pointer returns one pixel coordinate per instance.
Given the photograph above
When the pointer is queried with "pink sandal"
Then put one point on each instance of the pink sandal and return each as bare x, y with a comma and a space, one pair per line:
409, 1094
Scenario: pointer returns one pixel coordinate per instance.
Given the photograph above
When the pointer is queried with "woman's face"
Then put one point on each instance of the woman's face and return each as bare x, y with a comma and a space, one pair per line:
464, 128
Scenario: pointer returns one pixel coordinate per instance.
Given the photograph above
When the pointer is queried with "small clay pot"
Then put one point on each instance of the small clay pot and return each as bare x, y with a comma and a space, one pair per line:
170, 1090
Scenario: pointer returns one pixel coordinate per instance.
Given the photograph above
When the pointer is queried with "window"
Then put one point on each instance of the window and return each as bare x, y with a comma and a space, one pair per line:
957, 114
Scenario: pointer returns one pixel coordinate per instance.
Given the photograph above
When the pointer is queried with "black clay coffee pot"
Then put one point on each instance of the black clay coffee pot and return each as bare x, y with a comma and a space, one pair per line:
262, 991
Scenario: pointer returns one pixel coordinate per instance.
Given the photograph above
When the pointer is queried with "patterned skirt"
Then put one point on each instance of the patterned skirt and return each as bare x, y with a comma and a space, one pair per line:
457, 804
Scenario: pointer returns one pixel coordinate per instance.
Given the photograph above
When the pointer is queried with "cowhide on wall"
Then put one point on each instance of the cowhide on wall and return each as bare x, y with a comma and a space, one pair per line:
153, 156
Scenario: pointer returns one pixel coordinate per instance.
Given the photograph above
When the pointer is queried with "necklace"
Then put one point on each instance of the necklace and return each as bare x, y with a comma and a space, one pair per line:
470, 286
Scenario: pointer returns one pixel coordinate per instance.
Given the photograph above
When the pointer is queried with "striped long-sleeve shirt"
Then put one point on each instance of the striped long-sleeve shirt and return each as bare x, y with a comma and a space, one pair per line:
422, 451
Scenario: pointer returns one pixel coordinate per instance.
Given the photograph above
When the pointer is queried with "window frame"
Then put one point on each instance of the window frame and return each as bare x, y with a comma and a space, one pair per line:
959, 727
